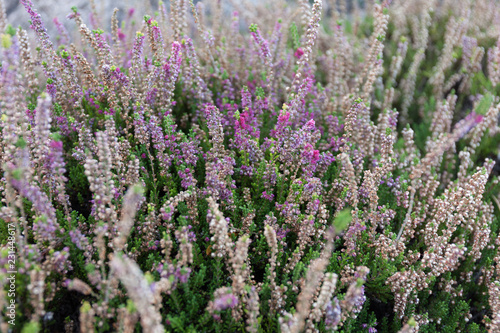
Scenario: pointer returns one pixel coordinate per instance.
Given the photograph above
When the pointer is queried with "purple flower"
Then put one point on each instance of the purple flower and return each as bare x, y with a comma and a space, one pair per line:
333, 314
267, 196
60, 261
37, 24
281, 233
187, 178
182, 274
46, 225
78, 239
227, 301
265, 53
63, 33
175, 274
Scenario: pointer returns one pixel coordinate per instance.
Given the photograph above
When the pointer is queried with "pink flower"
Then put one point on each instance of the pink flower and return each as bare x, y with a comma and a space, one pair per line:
267, 196
56, 144
242, 121
315, 157
299, 53
311, 125
121, 35
284, 117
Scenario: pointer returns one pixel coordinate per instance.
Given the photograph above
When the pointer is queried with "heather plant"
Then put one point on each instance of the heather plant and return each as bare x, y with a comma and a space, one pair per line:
309, 166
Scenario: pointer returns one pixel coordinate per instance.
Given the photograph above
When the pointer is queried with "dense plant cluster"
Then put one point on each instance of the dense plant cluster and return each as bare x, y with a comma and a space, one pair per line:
265, 167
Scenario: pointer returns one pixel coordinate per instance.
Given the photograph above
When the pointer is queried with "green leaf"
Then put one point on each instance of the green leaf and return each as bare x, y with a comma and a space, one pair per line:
484, 104
31, 327
342, 220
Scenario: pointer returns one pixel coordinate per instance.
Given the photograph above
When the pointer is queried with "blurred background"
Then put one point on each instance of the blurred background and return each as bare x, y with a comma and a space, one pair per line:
50, 9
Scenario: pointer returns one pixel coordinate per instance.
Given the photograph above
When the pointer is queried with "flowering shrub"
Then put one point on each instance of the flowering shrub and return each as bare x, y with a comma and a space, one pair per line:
281, 168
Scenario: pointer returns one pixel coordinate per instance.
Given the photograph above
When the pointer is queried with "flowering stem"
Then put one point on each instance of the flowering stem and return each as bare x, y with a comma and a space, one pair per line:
408, 213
